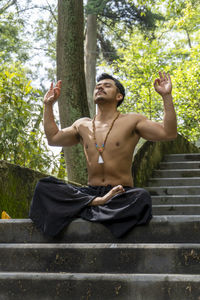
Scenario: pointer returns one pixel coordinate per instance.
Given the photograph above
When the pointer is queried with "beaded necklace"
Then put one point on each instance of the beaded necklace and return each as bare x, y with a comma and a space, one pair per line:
101, 148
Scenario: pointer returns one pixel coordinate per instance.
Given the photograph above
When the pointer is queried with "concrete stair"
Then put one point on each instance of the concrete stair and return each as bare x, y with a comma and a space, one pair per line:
175, 187
158, 261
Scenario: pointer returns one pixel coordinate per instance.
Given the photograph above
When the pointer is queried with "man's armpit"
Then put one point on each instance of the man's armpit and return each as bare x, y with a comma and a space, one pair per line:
77, 135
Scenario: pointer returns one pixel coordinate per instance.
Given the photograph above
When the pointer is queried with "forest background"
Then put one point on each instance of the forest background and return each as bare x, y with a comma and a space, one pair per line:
133, 40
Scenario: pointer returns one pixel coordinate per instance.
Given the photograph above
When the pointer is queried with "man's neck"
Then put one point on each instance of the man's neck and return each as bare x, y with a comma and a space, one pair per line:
106, 113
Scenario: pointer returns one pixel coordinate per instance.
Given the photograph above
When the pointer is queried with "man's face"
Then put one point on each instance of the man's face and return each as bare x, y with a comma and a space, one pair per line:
105, 90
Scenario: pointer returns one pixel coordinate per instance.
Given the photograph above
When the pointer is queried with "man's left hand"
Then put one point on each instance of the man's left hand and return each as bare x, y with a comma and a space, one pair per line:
163, 85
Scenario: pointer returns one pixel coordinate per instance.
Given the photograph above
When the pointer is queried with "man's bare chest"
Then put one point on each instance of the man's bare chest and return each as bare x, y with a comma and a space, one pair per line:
119, 136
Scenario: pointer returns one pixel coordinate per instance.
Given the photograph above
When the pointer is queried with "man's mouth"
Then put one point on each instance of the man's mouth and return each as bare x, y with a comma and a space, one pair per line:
100, 92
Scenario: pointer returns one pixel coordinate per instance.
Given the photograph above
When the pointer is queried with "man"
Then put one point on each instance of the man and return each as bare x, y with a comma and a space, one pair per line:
108, 141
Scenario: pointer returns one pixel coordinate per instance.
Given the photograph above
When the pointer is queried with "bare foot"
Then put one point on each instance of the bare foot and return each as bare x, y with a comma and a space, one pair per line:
102, 200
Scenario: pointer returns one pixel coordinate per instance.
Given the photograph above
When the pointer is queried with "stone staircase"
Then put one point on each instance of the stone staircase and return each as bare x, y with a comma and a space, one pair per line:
159, 261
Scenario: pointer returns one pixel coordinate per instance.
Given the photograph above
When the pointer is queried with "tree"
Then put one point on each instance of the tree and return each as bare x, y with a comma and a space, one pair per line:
131, 40
186, 95
137, 67
90, 58
22, 136
170, 51
70, 69
20, 118
12, 45
106, 19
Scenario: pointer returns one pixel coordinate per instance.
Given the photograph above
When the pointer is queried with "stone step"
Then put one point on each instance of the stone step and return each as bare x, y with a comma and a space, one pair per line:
157, 261
174, 190
182, 157
177, 209
176, 173
95, 258
56, 286
176, 199
180, 165
167, 229
157, 182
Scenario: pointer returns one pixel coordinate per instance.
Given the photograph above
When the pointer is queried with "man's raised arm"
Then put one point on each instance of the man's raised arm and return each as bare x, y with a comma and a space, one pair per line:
167, 130
65, 137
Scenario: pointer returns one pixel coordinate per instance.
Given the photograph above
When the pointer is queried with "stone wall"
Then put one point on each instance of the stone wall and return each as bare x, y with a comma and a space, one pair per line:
16, 188
150, 154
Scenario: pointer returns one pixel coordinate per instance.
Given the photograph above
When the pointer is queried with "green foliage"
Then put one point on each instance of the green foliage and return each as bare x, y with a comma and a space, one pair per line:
123, 11
115, 18
45, 35
167, 39
21, 106
12, 44
20, 121
138, 66
95, 7
187, 95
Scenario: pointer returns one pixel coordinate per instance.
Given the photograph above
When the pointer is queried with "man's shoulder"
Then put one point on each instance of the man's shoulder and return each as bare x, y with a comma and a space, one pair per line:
132, 116
82, 121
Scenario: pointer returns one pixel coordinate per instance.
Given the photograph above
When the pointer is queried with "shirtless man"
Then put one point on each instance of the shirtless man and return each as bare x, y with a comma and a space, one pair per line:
110, 138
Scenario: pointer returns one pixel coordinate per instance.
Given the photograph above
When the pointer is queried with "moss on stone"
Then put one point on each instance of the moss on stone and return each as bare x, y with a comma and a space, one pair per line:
16, 188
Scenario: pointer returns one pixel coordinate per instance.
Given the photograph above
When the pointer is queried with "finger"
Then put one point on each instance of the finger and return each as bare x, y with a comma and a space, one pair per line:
120, 188
117, 188
156, 82
169, 77
56, 91
58, 84
51, 86
165, 76
161, 76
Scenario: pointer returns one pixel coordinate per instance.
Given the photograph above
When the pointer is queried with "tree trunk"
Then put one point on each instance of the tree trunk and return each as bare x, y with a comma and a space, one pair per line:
70, 69
188, 39
90, 59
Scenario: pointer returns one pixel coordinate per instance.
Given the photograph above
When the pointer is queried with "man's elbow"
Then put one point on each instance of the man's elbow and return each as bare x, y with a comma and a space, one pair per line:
52, 138
171, 136
51, 141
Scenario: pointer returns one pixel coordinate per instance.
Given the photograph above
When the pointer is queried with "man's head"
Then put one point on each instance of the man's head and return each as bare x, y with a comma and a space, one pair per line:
119, 87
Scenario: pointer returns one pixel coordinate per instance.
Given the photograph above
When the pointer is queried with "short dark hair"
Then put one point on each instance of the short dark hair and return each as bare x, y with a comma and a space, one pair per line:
117, 83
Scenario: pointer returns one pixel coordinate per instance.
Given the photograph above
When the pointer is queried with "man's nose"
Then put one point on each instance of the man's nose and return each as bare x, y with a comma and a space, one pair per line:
100, 88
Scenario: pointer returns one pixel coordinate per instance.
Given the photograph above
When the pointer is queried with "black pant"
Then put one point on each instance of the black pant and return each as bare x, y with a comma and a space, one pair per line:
55, 204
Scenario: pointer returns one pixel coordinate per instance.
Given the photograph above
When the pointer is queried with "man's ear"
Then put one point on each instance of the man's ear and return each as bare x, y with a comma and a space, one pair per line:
119, 97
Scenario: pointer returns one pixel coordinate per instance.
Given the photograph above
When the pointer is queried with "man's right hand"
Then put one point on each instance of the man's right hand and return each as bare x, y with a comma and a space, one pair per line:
53, 93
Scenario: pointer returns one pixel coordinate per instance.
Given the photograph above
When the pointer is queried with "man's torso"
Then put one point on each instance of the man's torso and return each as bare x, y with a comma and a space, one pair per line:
117, 153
